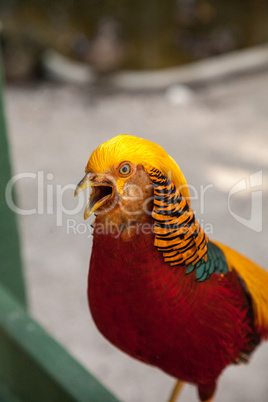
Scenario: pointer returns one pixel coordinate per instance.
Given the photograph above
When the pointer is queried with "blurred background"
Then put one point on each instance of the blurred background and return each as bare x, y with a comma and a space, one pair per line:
108, 35
62, 60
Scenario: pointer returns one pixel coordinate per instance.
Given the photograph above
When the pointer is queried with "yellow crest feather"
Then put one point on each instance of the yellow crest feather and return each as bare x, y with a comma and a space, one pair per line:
138, 151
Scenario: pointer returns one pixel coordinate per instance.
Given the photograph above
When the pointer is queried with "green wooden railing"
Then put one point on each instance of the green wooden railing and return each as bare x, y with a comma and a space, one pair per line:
11, 274
33, 366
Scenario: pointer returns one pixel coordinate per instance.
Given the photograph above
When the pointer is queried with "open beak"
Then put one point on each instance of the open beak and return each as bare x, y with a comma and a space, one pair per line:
101, 192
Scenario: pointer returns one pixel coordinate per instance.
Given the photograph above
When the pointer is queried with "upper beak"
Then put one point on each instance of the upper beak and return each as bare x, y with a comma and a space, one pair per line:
99, 197
84, 183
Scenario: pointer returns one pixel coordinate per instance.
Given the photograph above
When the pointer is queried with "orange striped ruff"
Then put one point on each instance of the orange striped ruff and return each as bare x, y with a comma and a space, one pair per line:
178, 235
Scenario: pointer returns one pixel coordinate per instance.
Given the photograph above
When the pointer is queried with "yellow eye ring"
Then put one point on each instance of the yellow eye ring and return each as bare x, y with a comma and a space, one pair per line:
125, 169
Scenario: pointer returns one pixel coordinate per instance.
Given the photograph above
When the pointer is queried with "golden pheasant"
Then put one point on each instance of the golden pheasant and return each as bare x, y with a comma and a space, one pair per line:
158, 288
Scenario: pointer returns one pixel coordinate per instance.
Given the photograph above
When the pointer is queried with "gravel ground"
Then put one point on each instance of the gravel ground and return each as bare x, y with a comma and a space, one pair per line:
219, 136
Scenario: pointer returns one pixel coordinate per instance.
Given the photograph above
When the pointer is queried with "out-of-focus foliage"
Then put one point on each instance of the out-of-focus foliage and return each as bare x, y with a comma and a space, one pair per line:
112, 34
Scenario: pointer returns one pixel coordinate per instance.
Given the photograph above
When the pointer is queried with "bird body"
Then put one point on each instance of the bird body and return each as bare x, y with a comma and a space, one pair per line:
163, 317
158, 288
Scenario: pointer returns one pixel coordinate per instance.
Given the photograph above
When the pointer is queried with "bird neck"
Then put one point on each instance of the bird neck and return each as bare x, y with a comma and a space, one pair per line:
123, 226
168, 217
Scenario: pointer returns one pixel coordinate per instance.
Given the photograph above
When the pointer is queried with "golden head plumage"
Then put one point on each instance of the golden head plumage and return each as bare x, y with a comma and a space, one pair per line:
138, 151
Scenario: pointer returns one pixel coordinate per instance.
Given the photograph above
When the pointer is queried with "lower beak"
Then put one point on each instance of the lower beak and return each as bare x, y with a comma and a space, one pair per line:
99, 197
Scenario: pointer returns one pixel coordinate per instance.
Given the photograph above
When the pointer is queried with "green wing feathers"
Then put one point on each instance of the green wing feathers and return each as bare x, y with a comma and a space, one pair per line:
215, 264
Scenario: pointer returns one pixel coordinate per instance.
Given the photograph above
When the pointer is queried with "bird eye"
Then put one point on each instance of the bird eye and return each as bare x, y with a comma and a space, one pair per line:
125, 169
